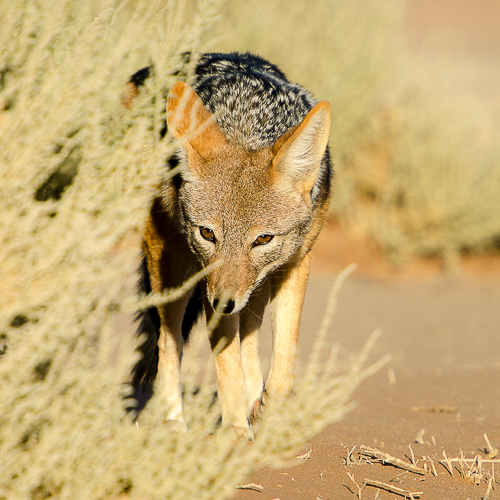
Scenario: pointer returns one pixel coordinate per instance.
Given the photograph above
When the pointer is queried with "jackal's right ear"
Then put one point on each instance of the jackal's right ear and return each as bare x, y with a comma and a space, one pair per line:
191, 122
299, 151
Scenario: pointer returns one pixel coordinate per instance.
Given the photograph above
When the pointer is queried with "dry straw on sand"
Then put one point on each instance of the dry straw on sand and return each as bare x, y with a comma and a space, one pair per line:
77, 175
477, 470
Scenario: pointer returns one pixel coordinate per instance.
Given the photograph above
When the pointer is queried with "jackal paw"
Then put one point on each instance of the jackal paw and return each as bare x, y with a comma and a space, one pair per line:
258, 408
243, 433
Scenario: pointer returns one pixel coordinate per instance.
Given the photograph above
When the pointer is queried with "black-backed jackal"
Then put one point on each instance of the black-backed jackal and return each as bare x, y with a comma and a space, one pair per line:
252, 195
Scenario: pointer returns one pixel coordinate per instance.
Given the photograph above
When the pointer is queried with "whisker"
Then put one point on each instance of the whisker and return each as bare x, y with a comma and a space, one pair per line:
253, 312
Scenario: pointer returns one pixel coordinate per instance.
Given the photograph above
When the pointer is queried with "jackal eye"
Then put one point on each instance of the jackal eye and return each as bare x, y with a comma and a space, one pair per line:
263, 239
207, 234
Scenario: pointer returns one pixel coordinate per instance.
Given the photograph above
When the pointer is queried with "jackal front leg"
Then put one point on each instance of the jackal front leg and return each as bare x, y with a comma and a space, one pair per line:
225, 343
170, 344
250, 323
169, 264
287, 302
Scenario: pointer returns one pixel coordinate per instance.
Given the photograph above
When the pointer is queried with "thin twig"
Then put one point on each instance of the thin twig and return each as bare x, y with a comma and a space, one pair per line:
412, 455
489, 489
133, 304
420, 437
461, 462
349, 454
490, 451
393, 489
473, 460
446, 463
360, 488
304, 456
434, 469
250, 486
330, 310
385, 458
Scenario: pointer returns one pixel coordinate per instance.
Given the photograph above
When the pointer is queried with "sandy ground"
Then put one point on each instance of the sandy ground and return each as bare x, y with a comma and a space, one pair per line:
443, 383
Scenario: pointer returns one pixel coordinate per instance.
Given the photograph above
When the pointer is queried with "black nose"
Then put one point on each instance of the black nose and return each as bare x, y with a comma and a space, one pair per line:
227, 309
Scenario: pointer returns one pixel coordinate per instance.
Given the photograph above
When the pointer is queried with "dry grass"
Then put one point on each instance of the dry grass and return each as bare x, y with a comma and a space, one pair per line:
428, 179
77, 178
478, 470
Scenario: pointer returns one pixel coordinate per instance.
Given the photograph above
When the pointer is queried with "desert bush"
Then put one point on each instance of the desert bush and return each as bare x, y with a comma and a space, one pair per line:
77, 173
427, 178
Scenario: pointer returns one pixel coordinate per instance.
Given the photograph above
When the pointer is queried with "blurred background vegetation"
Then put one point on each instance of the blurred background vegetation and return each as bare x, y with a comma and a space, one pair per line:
416, 170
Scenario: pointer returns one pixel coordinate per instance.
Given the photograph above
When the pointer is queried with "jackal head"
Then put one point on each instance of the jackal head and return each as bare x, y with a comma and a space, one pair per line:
250, 209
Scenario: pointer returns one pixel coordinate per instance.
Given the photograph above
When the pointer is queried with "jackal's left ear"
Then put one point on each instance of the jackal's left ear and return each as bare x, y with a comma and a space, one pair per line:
191, 122
298, 153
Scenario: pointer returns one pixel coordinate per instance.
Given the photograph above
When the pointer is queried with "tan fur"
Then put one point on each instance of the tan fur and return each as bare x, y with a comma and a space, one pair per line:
239, 195
191, 122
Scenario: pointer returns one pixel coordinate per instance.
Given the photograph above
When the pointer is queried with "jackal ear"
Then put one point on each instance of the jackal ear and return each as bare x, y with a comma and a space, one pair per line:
191, 122
298, 152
